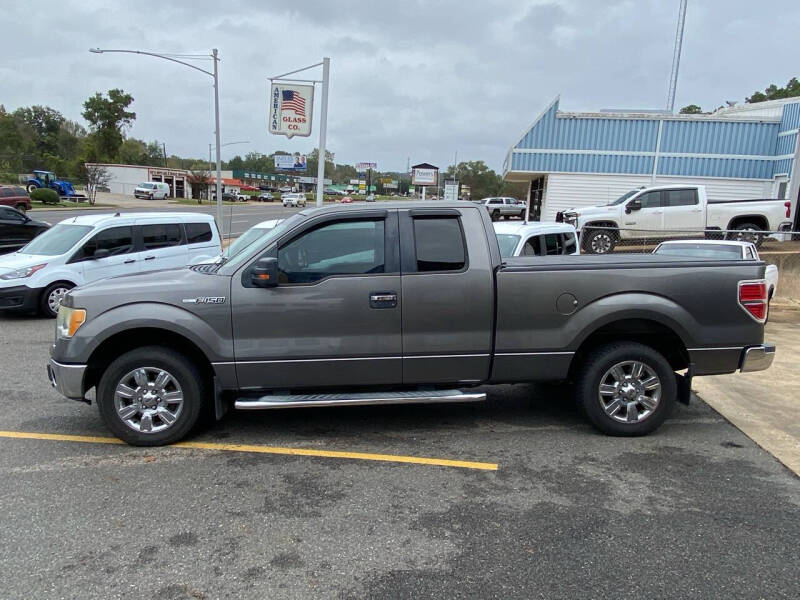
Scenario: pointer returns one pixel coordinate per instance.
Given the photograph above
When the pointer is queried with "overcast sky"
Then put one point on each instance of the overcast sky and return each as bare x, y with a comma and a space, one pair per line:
408, 79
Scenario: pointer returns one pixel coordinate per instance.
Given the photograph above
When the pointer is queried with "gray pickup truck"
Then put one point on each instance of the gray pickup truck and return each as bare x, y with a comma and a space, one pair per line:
402, 303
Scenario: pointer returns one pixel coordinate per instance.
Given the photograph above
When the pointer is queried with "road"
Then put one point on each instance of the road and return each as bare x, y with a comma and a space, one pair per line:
695, 511
238, 219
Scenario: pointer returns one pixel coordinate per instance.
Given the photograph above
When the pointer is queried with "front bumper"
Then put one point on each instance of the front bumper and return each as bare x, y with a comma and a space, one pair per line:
66, 379
757, 358
19, 297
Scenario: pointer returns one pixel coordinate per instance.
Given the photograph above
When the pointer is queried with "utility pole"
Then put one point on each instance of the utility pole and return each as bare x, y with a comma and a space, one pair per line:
676, 57
323, 127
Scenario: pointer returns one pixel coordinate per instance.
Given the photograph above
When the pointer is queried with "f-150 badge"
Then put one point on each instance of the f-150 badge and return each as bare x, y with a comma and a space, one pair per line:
205, 300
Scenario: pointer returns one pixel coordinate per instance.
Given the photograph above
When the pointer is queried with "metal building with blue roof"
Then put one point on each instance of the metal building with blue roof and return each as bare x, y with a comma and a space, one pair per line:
575, 159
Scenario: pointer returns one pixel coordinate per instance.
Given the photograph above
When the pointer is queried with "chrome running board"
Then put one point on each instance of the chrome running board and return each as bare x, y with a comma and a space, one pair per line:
364, 398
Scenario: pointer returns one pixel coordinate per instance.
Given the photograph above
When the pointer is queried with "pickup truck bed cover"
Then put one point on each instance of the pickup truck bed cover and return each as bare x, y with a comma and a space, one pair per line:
616, 261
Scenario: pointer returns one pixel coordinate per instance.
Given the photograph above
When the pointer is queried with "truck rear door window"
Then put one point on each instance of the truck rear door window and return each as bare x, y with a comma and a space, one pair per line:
439, 244
342, 248
681, 197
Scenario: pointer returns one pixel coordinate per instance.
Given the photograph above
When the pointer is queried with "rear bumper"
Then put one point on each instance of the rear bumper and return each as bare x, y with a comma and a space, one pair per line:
757, 358
19, 297
66, 379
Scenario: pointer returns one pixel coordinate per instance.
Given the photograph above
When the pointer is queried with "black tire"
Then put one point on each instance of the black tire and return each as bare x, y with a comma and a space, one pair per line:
747, 234
596, 370
192, 384
30, 187
46, 305
23, 208
495, 215
599, 241
522, 215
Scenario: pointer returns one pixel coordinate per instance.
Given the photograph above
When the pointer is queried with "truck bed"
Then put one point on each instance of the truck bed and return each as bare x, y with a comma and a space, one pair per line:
545, 304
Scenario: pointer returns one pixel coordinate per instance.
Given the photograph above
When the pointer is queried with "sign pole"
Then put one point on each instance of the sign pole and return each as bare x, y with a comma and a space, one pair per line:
323, 126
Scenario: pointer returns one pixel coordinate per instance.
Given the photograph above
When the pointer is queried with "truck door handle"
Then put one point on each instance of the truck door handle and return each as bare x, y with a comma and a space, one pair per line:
129, 261
149, 257
383, 299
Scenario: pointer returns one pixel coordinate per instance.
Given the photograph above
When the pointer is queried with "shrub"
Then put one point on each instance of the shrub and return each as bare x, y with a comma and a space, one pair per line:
45, 195
8, 178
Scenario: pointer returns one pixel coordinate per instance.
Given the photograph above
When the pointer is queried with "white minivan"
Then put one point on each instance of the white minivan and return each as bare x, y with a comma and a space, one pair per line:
90, 247
152, 190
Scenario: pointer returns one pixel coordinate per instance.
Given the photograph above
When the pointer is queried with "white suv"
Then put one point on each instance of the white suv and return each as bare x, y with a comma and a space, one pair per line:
83, 249
294, 199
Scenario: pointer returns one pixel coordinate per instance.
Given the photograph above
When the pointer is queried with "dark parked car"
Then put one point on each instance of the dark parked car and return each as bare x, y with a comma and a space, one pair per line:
16, 229
16, 197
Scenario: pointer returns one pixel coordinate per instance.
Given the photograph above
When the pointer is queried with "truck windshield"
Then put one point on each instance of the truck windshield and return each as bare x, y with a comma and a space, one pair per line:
720, 251
622, 198
57, 240
507, 243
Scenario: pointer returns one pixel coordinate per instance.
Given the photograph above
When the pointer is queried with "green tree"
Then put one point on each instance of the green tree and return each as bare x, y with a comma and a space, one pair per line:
133, 152
482, 180
691, 109
773, 92
108, 119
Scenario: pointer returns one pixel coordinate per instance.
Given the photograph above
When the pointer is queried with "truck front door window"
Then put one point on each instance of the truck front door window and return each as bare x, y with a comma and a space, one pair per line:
343, 248
439, 244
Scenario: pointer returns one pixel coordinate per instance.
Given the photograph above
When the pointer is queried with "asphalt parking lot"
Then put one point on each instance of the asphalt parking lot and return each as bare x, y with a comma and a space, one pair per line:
552, 510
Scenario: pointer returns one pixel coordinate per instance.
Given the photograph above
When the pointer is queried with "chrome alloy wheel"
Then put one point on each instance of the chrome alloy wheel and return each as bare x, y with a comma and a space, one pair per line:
148, 400
55, 297
601, 243
629, 391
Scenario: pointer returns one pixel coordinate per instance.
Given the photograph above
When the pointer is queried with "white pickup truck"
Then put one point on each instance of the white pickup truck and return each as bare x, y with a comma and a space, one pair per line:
675, 211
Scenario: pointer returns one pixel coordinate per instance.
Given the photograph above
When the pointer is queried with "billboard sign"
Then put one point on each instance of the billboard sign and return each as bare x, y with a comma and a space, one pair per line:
291, 162
290, 109
362, 167
424, 176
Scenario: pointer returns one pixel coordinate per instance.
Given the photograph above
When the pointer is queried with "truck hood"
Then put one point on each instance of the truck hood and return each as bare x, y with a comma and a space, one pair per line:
184, 287
588, 211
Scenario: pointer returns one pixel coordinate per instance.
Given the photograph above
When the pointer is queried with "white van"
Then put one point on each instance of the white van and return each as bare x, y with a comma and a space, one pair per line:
152, 190
83, 249
535, 238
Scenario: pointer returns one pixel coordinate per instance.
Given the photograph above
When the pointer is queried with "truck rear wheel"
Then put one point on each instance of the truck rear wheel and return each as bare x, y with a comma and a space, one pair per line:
599, 241
747, 232
626, 389
495, 215
151, 396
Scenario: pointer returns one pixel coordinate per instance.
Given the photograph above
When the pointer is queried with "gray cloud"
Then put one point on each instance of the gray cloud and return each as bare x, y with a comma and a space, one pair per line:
409, 79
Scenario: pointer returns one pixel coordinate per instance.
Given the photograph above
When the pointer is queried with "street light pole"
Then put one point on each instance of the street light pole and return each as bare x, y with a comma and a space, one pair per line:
215, 76
216, 133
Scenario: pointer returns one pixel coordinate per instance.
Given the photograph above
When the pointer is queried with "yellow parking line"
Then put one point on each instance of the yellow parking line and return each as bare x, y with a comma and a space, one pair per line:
414, 460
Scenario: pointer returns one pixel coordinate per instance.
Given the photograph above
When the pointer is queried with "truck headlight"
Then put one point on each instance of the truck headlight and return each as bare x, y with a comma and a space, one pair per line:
23, 272
68, 321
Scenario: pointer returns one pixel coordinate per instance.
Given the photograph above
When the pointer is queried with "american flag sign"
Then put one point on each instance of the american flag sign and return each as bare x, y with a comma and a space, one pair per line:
293, 101
290, 109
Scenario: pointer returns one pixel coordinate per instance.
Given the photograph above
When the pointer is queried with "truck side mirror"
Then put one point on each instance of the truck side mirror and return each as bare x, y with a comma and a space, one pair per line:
264, 273
633, 205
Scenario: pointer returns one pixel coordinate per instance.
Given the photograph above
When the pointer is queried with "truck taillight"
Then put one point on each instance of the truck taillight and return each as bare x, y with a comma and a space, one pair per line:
753, 298
788, 206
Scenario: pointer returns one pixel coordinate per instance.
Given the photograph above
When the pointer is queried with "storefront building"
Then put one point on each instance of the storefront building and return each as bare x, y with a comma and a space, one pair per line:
572, 159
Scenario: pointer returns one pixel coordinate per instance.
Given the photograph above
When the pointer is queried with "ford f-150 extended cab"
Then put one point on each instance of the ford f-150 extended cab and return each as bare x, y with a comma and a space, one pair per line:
406, 302
674, 211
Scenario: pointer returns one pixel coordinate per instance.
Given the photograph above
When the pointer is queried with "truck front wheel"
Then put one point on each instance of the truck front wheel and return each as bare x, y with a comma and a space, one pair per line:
151, 396
599, 241
626, 389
